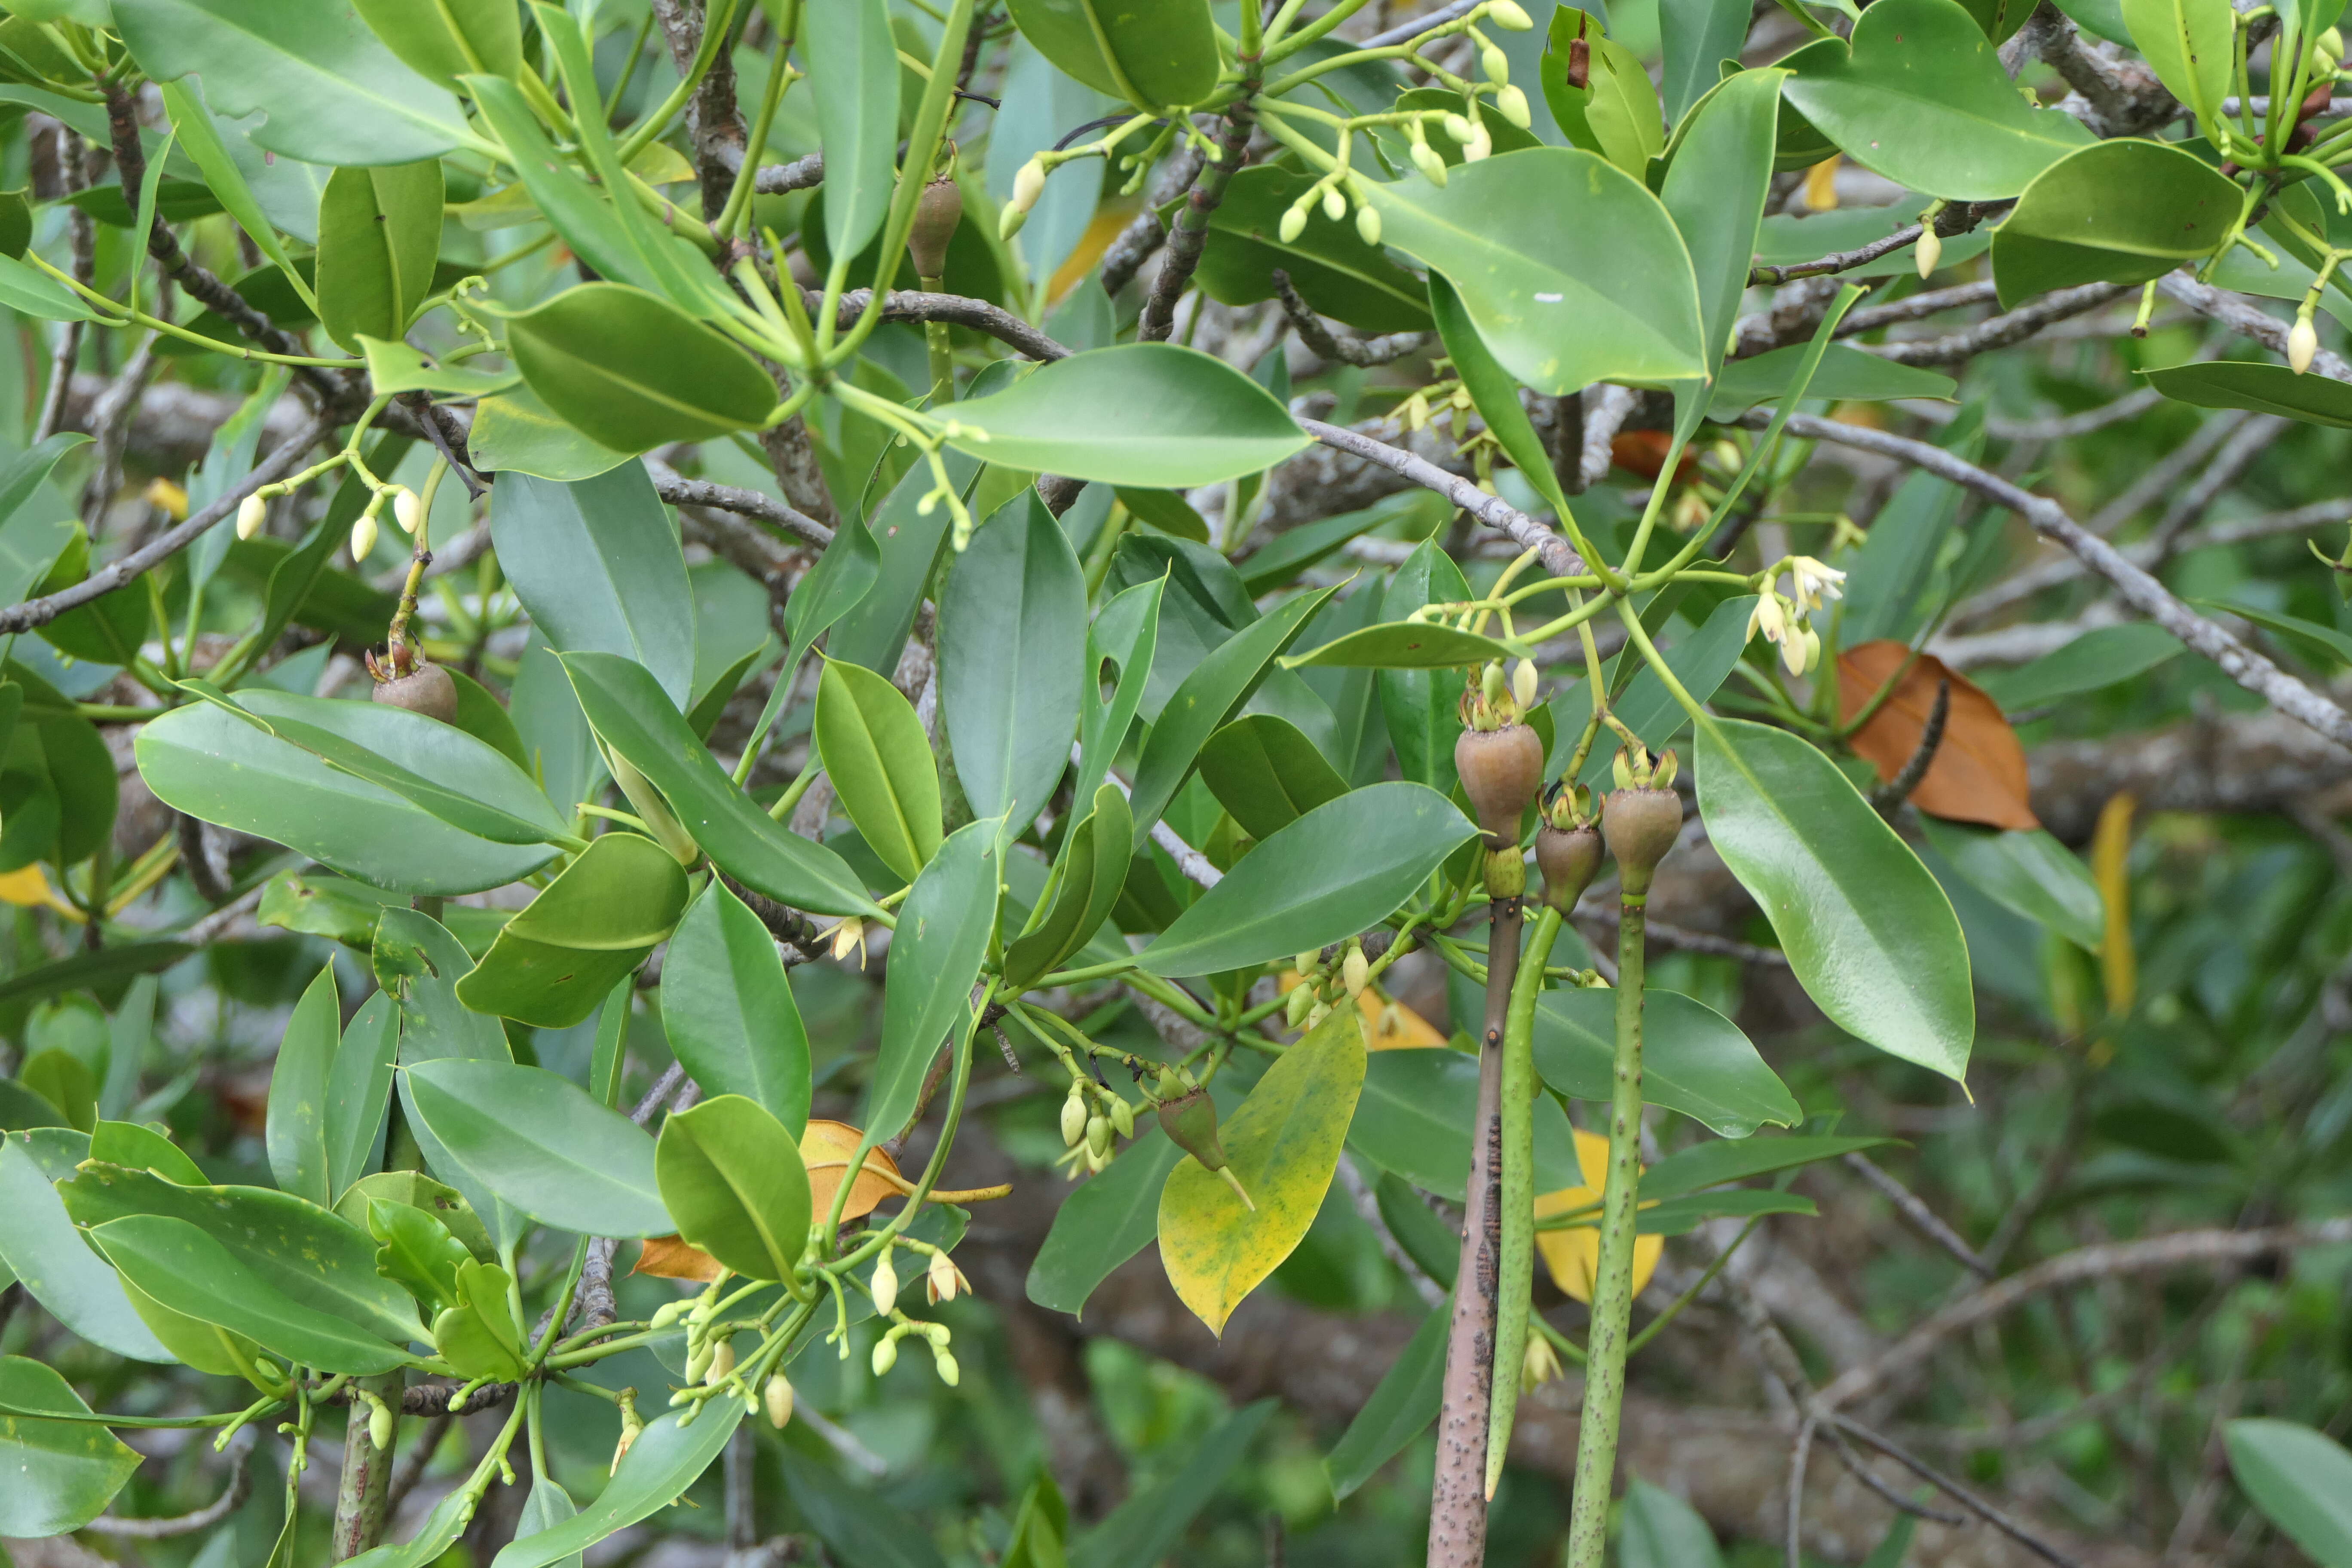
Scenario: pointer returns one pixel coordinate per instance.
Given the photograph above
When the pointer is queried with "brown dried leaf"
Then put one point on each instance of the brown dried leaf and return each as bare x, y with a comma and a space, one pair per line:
667, 1258
826, 1148
1978, 774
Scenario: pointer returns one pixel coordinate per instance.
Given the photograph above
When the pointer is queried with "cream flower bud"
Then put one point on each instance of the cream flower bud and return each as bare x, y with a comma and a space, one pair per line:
1523, 683
2302, 346
722, 1362
1356, 971
1316, 1014
885, 1285
1512, 104
407, 511
1480, 145
944, 1279
1368, 223
886, 1355
251, 513
1308, 961
1793, 652
1335, 203
1930, 249
1009, 221
1508, 16
380, 1423
949, 1372
777, 1397
1495, 64
1074, 1119
1099, 1135
1812, 653
1292, 223
1302, 997
1458, 127
1122, 1118
1426, 159
1029, 185
363, 533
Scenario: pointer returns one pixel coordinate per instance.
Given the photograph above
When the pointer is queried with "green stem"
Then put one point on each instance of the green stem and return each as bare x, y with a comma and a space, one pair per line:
1612, 1290
1518, 1254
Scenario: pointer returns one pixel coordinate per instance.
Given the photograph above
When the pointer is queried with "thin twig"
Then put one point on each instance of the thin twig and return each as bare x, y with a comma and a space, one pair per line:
1917, 1215
1556, 554
2007, 1525
1349, 349
679, 490
232, 1497
917, 305
1896, 790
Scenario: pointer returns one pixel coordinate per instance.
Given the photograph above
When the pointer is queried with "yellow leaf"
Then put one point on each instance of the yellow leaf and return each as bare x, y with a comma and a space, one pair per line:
1821, 185
667, 1258
1574, 1255
1284, 1145
29, 887
2111, 869
826, 1147
1388, 1025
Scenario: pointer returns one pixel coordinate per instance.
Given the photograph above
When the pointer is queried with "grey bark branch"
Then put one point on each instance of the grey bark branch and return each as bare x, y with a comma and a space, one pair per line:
679, 490
1344, 347
1557, 556
914, 305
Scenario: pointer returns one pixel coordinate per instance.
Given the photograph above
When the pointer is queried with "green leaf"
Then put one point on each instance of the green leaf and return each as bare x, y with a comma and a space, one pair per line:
547, 1506
1283, 1145
1340, 868
1698, 36
1704, 1165
2300, 1480
729, 1012
433, 1538
2114, 212
598, 564
1207, 699
856, 1525
1789, 240
554, 962
850, 51
142, 1148
1267, 773
417, 1250
215, 766
516, 433
330, 93
1125, 636
64, 1082
449, 38
2332, 646
414, 1189
2100, 657
1401, 1407
1920, 97
30, 291
1846, 375
1494, 392
1108, 1219
61, 1474
907, 546
1722, 169
1039, 1528
1570, 269
631, 370
633, 716
1414, 1117
2253, 384
1154, 57
297, 1126
540, 1142
189, 1272
191, 122
479, 1336
1148, 1525
1694, 1059
40, 1247
662, 1463
1088, 877
879, 760
396, 367
1329, 264
1870, 935
1616, 115
379, 235
942, 939
92, 971
1419, 703
1680, 1216
731, 1176
1149, 414
2028, 873
1012, 648
2188, 45
1661, 1531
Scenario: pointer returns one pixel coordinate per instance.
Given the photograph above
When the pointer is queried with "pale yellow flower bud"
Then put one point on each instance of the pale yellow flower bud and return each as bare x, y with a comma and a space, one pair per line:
363, 533
1508, 16
2302, 346
1292, 223
1074, 1119
950, 1373
885, 1285
1356, 971
723, 1360
886, 1355
1930, 249
1495, 64
1512, 104
1426, 159
251, 513
1523, 683
1368, 223
778, 1397
1028, 184
407, 511
944, 1279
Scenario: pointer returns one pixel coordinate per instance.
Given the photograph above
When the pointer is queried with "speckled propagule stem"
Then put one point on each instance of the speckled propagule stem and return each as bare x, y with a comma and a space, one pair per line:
1517, 1211
1457, 1515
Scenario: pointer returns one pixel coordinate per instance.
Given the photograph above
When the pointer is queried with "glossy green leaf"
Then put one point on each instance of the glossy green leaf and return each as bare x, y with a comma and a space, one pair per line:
1704, 1165
1680, 1216
1920, 97
631, 370
662, 1463
1088, 877
942, 939
1616, 114
542, 1144
1340, 868
217, 767
2300, 1480
516, 433
329, 92
417, 1250
598, 565
61, 1474
1698, 36
1152, 55
2100, 657
1328, 263
479, 1337
396, 367
1661, 1530
1149, 415
633, 716
414, 1189
1694, 1059
1207, 699
1401, 1407
1283, 1145
856, 1524
297, 1126
1414, 1117
1495, 393
1570, 269
58, 785
189, 1272
879, 760
1267, 773
2188, 45
64, 1082
1011, 643
729, 1010
30, 291
908, 550
200, 138
1419, 703
1845, 374
142, 1148
40, 1247
731, 1176
307, 1253
854, 62
1105, 1221
2114, 212
554, 962
2027, 872
379, 233
432, 1541
418, 961
547, 1506
1722, 170
1870, 935
449, 38
2253, 384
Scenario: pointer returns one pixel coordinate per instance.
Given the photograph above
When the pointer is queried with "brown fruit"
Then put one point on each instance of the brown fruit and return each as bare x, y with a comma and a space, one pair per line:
1569, 861
1641, 825
936, 213
1501, 770
429, 691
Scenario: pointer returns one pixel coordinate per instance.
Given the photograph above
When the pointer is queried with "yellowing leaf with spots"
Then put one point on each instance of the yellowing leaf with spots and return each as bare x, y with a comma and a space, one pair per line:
1574, 1255
1284, 1144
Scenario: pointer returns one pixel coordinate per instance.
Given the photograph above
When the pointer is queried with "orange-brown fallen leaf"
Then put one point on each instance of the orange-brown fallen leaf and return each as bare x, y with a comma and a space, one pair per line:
826, 1148
667, 1258
1978, 774
1643, 452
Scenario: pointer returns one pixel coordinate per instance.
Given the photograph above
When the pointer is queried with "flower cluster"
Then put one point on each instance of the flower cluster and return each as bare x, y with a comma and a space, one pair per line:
1782, 618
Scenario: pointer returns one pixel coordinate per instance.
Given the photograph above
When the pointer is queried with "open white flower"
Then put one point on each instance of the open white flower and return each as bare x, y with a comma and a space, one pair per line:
1811, 583
1769, 617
